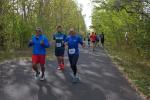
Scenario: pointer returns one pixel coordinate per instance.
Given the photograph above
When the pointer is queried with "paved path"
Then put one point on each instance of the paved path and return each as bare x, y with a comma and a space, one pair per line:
100, 80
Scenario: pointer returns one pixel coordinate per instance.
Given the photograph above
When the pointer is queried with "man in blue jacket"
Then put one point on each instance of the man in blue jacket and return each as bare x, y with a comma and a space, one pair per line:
39, 42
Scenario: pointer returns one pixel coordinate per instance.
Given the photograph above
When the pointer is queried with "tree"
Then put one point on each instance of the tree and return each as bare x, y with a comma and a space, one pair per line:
18, 19
116, 17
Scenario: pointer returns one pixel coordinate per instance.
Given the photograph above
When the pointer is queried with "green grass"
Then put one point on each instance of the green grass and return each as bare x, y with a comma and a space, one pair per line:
22, 53
130, 64
5, 55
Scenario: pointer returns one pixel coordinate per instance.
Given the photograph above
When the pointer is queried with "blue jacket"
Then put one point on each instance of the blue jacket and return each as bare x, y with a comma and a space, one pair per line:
73, 44
39, 49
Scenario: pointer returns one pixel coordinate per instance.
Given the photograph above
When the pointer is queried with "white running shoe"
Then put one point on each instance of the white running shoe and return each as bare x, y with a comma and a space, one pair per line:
59, 68
42, 78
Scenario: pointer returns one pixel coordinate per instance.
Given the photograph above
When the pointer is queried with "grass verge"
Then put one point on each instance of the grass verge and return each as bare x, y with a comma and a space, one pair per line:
22, 53
135, 68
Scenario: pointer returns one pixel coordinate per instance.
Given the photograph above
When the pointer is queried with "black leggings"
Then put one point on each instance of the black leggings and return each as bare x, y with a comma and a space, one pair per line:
73, 59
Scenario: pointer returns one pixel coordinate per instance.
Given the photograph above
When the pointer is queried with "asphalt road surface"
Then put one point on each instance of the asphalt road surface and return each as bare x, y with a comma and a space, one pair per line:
99, 80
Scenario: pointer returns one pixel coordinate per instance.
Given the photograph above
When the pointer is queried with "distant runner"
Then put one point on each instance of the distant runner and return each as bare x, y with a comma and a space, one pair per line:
59, 38
93, 40
98, 40
39, 42
102, 39
88, 40
73, 40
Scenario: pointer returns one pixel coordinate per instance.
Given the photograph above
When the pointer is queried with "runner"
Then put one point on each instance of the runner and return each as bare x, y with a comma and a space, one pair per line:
93, 40
59, 38
73, 40
39, 42
102, 39
97, 40
88, 40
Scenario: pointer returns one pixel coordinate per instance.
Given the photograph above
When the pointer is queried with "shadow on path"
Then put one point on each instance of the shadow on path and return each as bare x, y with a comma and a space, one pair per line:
100, 80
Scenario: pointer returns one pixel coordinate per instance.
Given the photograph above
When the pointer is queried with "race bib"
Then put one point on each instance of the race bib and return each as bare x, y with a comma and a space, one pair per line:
72, 51
58, 44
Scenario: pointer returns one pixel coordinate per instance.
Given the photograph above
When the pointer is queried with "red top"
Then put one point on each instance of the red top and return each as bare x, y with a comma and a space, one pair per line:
93, 37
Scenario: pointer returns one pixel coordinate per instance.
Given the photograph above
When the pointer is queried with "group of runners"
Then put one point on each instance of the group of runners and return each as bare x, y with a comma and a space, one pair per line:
39, 43
95, 40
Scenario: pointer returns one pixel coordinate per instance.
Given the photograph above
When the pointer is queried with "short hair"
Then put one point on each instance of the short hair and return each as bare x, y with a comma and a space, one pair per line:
72, 29
38, 29
59, 26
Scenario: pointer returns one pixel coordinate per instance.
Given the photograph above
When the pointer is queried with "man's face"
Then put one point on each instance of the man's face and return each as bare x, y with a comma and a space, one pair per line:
59, 29
72, 32
38, 32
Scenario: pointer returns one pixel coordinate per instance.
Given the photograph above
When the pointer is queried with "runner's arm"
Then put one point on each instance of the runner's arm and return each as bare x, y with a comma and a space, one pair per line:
46, 43
31, 43
81, 42
66, 42
64, 39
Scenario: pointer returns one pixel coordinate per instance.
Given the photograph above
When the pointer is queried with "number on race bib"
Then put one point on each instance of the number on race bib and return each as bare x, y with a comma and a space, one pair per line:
58, 44
72, 51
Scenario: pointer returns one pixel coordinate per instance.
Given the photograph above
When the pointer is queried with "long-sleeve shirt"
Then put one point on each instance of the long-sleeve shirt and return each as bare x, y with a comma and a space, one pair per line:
38, 48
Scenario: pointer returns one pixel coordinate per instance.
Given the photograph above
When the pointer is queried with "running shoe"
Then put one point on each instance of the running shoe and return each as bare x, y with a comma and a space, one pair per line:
59, 67
62, 66
42, 78
75, 79
37, 75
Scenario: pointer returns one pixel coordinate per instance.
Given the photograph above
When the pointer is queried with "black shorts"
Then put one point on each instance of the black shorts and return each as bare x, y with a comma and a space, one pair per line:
59, 52
93, 41
102, 41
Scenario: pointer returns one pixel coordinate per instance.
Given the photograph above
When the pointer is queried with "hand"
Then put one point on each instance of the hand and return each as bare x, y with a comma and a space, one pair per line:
30, 41
42, 42
66, 45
